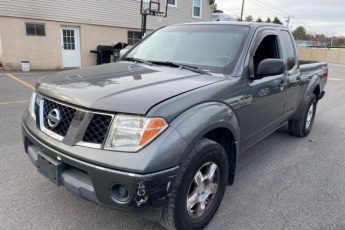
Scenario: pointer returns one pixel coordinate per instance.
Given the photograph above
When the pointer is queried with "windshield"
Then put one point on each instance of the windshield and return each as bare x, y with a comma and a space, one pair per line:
213, 48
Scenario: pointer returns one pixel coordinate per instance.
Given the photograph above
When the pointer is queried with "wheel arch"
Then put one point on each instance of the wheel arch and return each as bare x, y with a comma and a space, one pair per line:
312, 88
225, 138
317, 91
215, 121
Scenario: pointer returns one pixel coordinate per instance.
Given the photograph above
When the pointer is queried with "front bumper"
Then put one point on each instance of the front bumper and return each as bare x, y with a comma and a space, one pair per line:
96, 183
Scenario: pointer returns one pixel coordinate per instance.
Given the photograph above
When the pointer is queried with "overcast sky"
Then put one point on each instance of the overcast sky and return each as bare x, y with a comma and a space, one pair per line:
318, 16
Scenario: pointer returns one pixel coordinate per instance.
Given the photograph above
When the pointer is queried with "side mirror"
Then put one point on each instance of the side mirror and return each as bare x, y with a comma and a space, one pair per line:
270, 67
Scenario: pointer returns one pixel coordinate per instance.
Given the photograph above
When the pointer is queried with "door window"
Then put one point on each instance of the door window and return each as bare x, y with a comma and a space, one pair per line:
289, 48
68, 39
268, 48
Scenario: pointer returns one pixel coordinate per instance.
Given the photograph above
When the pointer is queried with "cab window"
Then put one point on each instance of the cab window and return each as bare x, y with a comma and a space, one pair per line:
268, 48
289, 48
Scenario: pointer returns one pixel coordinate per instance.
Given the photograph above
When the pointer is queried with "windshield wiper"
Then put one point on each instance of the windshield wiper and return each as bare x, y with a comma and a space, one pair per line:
132, 59
182, 66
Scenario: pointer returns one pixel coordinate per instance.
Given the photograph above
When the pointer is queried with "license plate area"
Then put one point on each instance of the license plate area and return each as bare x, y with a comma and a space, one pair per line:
50, 167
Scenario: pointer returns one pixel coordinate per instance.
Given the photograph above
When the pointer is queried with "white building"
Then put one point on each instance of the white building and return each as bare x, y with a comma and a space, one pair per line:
60, 33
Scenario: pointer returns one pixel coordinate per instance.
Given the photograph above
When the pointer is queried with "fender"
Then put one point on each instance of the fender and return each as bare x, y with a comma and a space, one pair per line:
314, 82
196, 122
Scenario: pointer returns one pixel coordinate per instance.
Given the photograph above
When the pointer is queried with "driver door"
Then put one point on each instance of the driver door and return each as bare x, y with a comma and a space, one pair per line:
265, 97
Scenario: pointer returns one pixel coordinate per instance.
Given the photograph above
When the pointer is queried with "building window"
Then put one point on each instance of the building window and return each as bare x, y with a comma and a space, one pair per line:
133, 37
68, 39
197, 8
34, 29
172, 3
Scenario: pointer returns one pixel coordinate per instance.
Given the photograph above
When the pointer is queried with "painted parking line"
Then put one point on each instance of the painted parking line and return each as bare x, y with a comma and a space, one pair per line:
20, 81
14, 102
335, 79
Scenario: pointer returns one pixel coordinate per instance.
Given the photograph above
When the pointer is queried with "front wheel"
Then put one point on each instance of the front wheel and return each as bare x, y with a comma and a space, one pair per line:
302, 126
198, 189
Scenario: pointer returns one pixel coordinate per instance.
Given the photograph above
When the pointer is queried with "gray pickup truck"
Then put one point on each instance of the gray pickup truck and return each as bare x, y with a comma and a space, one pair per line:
159, 132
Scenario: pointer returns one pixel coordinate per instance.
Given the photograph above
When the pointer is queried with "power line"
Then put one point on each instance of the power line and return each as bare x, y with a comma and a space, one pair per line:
265, 5
269, 8
234, 12
288, 21
270, 5
259, 4
274, 6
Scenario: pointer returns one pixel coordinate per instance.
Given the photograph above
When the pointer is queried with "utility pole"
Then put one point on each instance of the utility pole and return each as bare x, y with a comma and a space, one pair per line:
242, 10
332, 39
288, 21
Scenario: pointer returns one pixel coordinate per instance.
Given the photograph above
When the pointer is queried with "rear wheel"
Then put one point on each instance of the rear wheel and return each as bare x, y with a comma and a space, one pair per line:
302, 126
198, 189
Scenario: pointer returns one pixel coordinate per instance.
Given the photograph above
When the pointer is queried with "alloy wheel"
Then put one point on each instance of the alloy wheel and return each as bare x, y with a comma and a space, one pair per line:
202, 190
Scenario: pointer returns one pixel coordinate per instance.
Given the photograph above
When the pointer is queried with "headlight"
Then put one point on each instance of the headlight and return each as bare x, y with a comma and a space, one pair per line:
131, 133
32, 105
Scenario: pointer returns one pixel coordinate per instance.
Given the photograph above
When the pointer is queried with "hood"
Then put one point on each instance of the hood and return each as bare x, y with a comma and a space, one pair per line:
121, 87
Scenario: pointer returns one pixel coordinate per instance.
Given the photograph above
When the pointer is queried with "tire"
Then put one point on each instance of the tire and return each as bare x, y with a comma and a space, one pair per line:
302, 126
175, 214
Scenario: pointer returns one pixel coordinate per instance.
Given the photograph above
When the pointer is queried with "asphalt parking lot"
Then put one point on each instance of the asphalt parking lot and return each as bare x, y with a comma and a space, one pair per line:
282, 183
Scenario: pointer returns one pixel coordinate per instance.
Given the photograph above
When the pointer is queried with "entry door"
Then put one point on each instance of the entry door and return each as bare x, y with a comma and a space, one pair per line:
70, 47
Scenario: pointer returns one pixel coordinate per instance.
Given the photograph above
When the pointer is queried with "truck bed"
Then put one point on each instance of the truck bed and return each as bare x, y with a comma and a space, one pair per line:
311, 69
307, 66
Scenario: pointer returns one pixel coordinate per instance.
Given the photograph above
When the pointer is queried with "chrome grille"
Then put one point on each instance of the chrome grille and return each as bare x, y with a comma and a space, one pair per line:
67, 115
97, 129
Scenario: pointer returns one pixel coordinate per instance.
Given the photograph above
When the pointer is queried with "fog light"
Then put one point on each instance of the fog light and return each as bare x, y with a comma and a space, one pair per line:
119, 193
123, 191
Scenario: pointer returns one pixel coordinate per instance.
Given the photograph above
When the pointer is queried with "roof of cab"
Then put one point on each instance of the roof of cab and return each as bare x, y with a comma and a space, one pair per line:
249, 24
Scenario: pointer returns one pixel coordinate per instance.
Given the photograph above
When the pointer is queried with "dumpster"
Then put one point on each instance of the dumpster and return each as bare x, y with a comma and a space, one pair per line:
105, 53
